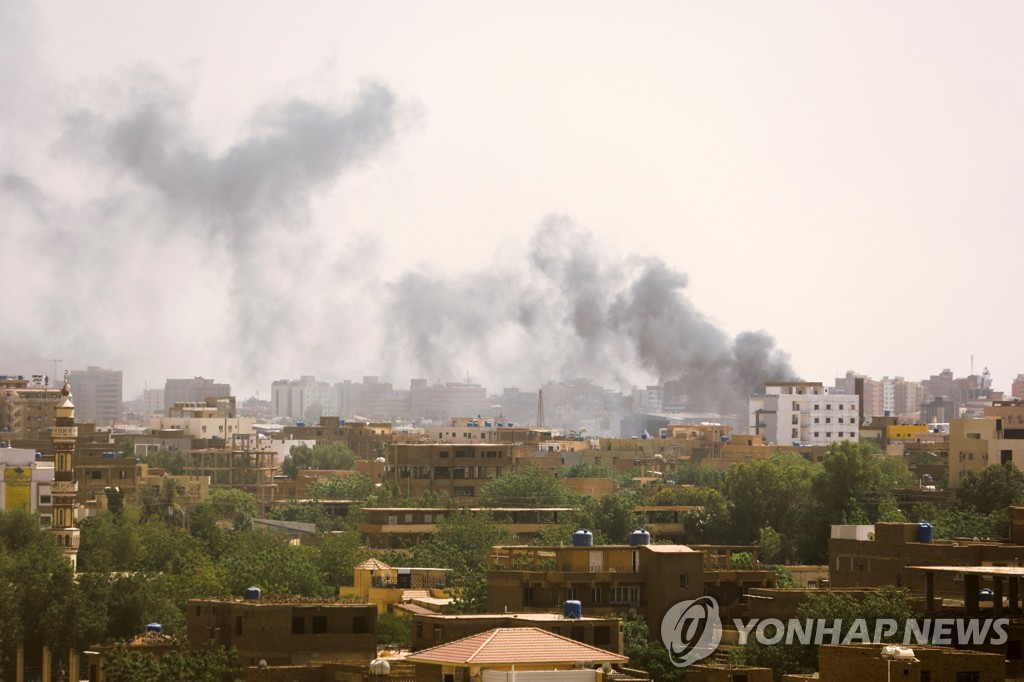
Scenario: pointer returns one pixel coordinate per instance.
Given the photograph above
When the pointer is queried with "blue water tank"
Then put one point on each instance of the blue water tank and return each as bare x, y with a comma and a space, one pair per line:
925, 532
572, 609
155, 627
639, 537
583, 538
253, 593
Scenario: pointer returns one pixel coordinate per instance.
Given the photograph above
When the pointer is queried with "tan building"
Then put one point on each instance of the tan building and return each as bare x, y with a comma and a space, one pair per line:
404, 527
285, 633
722, 672
366, 439
860, 662
996, 438
97, 395
27, 410
883, 554
609, 579
456, 471
384, 586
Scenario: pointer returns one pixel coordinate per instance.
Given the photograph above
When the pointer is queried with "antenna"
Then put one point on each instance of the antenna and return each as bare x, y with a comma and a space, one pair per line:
540, 407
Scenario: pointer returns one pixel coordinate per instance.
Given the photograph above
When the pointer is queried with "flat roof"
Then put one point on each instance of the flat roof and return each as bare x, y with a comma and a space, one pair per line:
446, 509
1013, 571
535, 617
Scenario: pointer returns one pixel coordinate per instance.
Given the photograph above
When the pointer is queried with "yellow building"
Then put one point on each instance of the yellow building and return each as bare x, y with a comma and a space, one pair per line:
383, 586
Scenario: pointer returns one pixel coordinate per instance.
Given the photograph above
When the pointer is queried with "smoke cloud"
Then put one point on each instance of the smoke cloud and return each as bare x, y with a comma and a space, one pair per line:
575, 310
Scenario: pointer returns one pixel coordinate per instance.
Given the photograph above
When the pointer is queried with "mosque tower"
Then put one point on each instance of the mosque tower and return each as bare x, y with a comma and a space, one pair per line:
65, 488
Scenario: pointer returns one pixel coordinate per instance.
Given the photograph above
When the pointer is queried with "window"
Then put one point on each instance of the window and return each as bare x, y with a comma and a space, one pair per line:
828, 420
358, 625
95, 474
238, 625
44, 499
528, 594
817, 420
602, 635
1013, 649
684, 580
595, 595
318, 626
626, 595
572, 593
298, 625
968, 676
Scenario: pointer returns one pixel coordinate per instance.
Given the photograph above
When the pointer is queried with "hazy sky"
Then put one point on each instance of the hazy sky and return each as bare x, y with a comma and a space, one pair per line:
250, 190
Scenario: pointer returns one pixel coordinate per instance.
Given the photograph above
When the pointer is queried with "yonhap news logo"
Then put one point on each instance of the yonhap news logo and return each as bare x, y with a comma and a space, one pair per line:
691, 630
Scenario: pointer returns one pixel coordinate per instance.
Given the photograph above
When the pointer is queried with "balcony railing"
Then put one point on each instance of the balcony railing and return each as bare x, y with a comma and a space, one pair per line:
414, 582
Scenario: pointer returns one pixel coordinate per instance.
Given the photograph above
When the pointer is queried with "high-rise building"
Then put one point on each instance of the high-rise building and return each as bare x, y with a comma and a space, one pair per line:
803, 412
306, 398
195, 390
97, 395
64, 488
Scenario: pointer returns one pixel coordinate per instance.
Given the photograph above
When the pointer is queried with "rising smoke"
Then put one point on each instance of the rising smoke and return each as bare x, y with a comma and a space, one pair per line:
576, 311
136, 244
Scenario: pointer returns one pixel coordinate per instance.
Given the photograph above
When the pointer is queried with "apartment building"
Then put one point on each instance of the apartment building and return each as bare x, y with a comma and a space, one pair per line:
285, 633
457, 471
304, 399
97, 395
996, 438
609, 579
803, 412
28, 410
195, 390
404, 527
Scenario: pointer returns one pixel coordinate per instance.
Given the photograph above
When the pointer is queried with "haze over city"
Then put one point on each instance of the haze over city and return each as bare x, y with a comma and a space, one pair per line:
518, 191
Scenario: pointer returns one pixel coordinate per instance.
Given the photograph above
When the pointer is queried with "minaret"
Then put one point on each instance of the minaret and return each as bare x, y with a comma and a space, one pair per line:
65, 488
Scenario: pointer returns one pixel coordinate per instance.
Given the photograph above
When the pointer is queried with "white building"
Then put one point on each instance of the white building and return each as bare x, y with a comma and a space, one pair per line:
803, 412
25, 482
306, 398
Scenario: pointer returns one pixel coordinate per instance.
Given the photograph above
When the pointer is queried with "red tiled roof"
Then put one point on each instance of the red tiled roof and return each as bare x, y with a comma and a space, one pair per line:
512, 646
373, 565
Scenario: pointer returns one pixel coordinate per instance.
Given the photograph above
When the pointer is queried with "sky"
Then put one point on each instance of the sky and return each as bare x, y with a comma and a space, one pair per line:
517, 191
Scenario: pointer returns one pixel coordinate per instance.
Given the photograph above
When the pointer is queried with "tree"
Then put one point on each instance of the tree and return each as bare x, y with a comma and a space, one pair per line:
358, 487
327, 456
589, 470
889, 511
995, 487
337, 555
645, 652
209, 663
171, 461
271, 562
531, 487
775, 493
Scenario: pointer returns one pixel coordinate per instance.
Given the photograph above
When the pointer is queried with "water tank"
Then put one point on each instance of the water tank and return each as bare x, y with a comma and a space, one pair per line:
572, 609
253, 594
639, 537
925, 532
583, 538
380, 667
155, 627
380, 460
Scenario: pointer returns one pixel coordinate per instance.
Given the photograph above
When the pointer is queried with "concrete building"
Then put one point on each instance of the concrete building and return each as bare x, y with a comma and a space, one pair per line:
996, 438
859, 662
610, 579
384, 586
195, 390
455, 471
289, 633
444, 401
405, 527
153, 401
803, 412
884, 554
28, 410
26, 483
97, 395
1017, 388
305, 399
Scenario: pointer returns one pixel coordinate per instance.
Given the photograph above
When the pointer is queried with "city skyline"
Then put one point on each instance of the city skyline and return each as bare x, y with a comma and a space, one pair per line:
253, 207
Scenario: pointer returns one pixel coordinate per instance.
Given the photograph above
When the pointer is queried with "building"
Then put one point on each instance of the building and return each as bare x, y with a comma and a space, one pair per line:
444, 401
153, 401
610, 579
97, 395
523, 649
384, 586
455, 471
64, 489
884, 554
432, 629
803, 412
405, 527
28, 410
285, 633
727, 672
859, 662
26, 483
193, 390
305, 399
996, 438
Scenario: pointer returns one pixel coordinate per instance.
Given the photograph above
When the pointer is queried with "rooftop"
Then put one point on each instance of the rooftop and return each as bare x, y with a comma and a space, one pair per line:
511, 646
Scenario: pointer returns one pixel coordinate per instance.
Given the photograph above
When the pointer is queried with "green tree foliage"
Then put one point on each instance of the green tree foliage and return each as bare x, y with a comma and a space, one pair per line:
328, 457
209, 663
171, 461
269, 561
532, 487
889, 511
224, 510
589, 470
994, 488
394, 631
647, 653
337, 555
357, 487
692, 473
772, 493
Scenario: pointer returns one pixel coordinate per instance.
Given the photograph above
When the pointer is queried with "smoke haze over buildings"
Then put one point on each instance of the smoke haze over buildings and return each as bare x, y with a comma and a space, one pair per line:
136, 243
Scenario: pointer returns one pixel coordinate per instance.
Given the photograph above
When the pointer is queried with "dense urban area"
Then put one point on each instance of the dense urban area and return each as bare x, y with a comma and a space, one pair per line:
359, 531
